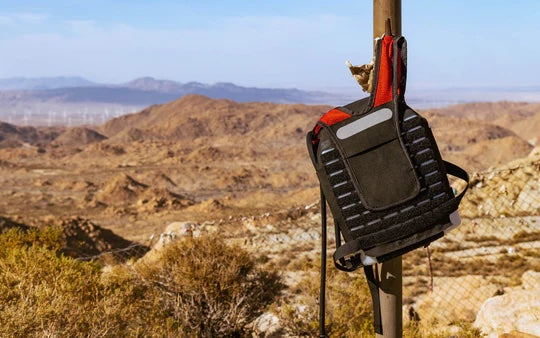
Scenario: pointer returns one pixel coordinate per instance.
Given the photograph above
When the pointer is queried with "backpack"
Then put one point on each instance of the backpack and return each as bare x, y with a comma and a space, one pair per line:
381, 173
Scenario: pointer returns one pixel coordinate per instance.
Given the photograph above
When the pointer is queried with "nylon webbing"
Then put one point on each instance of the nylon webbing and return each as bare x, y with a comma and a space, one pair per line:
322, 332
368, 270
374, 290
352, 263
354, 246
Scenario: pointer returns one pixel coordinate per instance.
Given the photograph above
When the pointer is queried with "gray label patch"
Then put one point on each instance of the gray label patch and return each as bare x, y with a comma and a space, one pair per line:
364, 123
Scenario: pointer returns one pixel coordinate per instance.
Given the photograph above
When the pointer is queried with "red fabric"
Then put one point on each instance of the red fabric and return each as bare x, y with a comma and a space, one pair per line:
331, 117
384, 81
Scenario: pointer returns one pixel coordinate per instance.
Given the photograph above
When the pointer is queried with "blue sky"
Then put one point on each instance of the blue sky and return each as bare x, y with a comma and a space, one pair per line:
274, 43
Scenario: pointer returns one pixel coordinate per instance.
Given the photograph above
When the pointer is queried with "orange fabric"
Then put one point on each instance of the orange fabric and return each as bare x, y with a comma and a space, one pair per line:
331, 117
384, 81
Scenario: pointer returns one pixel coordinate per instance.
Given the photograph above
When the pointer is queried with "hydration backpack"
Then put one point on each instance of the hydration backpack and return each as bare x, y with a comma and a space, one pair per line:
381, 173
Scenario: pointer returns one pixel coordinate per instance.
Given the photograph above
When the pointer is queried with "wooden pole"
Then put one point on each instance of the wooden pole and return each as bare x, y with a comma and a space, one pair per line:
382, 10
390, 272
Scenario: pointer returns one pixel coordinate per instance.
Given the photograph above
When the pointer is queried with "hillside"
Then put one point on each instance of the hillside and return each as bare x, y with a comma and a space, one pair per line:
12, 136
265, 124
194, 116
521, 117
192, 158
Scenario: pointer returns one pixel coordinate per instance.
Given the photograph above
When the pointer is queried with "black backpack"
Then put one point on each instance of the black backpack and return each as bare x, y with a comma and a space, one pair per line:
381, 173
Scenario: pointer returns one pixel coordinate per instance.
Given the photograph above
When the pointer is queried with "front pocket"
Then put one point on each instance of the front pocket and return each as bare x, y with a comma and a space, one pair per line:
379, 166
384, 175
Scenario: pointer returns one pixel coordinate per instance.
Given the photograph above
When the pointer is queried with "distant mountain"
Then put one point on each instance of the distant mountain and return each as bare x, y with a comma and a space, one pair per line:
71, 101
144, 91
150, 84
23, 83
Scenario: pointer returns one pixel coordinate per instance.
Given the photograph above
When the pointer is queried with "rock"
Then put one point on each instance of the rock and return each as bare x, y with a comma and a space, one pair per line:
529, 198
516, 334
267, 325
173, 231
183, 229
517, 310
530, 280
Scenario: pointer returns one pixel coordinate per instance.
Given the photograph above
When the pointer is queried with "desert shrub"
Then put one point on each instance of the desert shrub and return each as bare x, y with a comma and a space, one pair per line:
348, 305
43, 293
197, 287
207, 288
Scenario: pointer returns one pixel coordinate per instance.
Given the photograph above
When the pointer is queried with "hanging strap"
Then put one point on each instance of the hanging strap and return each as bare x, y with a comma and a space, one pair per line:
369, 271
322, 332
374, 290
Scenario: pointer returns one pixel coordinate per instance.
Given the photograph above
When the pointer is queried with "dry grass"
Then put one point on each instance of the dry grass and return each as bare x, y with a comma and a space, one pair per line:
349, 309
197, 287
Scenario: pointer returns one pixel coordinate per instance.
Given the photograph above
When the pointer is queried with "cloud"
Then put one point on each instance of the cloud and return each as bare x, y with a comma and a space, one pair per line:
27, 18
279, 51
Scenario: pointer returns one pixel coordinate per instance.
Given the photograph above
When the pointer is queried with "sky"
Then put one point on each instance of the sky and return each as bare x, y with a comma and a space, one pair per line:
277, 43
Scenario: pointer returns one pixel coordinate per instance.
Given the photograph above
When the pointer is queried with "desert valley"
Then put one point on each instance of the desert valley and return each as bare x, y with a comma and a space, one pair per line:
241, 171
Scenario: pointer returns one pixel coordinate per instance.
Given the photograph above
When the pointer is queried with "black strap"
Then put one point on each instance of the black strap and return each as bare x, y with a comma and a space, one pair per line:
352, 263
374, 290
322, 332
369, 271
351, 248
458, 172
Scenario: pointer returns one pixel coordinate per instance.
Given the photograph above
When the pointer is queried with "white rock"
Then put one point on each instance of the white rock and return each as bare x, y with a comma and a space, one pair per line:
182, 229
173, 231
516, 310
266, 325
529, 197
530, 280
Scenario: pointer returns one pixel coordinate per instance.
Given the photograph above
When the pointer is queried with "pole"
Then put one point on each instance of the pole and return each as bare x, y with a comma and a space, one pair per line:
382, 10
390, 272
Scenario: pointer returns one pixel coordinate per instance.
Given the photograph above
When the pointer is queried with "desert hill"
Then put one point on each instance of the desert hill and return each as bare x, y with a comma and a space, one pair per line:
521, 117
76, 101
195, 116
78, 136
81, 237
197, 158
12, 136
261, 125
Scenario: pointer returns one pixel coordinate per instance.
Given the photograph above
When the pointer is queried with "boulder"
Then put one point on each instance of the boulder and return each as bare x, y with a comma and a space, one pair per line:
173, 231
516, 310
267, 325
